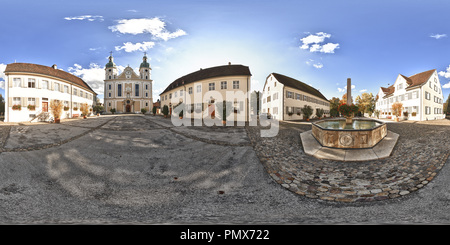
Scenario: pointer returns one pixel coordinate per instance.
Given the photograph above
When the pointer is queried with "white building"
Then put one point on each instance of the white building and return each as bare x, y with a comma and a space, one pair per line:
283, 97
30, 88
128, 92
203, 89
420, 94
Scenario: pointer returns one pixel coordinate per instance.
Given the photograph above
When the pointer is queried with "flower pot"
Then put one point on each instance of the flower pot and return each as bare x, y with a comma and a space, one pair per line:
57, 120
84, 117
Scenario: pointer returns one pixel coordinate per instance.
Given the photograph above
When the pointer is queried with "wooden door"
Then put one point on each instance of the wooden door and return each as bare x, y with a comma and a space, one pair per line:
44, 106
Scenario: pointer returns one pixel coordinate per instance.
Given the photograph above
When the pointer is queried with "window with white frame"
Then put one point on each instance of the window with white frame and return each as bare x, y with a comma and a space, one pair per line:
44, 84
289, 95
31, 83
181, 92
427, 96
190, 90
66, 89
56, 87
235, 84
31, 101
223, 85
16, 101
81, 93
212, 86
17, 82
75, 91
199, 88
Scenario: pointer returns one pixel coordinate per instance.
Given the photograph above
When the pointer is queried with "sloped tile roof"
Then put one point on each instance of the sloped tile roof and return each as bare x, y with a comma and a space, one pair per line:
218, 71
412, 81
291, 82
48, 71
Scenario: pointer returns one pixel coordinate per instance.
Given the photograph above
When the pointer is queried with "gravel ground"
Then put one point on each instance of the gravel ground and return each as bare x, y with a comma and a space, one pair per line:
138, 170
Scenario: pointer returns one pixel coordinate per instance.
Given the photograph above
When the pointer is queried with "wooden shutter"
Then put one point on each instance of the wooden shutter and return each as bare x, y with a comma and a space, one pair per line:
24, 101
37, 102
10, 82
10, 102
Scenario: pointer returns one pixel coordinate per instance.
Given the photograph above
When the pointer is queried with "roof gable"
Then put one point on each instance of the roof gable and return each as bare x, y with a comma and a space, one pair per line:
48, 71
218, 71
131, 72
293, 83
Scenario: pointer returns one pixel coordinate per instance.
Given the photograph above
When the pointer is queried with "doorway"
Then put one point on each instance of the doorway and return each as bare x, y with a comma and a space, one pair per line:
44, 106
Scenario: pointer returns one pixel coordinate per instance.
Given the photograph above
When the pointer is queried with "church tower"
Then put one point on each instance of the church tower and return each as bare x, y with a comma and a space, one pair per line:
110, 69
145, 69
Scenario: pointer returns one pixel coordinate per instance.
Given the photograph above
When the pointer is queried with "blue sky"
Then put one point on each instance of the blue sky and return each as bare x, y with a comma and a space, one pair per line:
321, 42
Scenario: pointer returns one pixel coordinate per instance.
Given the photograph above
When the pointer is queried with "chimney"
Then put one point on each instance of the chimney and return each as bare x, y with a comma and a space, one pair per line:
54, 66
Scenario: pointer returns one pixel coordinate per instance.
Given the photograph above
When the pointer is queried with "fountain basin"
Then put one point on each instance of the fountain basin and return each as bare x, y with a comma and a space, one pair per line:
361, 134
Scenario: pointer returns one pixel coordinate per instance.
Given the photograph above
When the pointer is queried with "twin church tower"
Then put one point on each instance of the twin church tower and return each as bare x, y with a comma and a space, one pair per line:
128, 92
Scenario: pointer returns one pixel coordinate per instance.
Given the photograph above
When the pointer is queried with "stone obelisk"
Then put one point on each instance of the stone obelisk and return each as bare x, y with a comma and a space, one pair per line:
349, 91
349, 120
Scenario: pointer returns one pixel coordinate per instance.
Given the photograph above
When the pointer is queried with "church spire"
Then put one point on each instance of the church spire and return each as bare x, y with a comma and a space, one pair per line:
111, 61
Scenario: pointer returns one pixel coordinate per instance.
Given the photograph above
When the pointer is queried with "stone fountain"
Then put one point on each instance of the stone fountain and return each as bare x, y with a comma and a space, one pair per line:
342, 137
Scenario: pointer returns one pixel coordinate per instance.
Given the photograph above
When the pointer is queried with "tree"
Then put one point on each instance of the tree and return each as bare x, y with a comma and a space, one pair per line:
447, 106
56, 107
225, 108
397, 108
165, 110
98, 108
84, 108
319, 112
154, 110
307, 111
2, 105
366, 103
334, 105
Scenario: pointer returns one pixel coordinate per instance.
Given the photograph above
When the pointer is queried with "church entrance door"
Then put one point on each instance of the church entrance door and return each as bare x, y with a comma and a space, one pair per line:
128, 108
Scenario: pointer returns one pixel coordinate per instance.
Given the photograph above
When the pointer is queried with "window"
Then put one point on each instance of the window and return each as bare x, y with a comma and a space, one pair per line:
297, 96
275, 96
175, 94
181, 92
66, 103
16, 101
31, 101
56, 87
427, 96
75, 91
44, 84
66, 89
136, 92
268, 98
235, 84
31, 83
119, 90
17, 82
427, 110
146, 86
146, 94
400, 86
170, 96
223, 85
109, 86
289, 95
212, 86
190, 90
109, 94
81, 93
199, 88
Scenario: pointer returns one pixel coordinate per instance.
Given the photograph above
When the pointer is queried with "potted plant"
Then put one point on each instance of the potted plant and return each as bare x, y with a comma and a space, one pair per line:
165, 110
113, 110
307, 112
17, 107
180, 115
56, 107
98, 109
226, 108
66, 108
75, 108
397, 108
319, 112
348, 111
84, 110
154, 110
31, 107
143, 110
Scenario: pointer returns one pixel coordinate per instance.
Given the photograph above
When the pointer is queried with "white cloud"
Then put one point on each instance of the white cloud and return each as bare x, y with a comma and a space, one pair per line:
447, 85
93, 76
438, 36
314, 43
155, 26
130, 47
317, 65
445, 73
86, 17
363, 90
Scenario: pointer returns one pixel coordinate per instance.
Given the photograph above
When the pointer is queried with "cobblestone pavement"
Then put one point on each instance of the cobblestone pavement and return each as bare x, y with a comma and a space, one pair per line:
420, 153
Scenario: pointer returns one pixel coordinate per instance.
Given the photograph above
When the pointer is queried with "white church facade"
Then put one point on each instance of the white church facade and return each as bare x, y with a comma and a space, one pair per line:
128, 92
